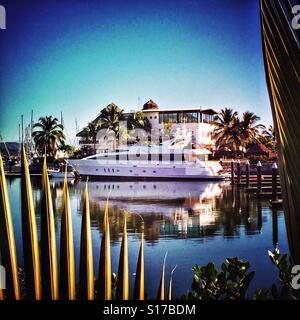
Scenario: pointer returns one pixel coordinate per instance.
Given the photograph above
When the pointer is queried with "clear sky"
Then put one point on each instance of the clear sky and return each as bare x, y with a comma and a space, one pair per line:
77, 56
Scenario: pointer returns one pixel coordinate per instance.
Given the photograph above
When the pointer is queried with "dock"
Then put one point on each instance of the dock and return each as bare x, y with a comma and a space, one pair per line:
262, 186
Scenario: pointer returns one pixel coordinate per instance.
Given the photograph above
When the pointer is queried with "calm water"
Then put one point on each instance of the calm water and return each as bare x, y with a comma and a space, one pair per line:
196, 222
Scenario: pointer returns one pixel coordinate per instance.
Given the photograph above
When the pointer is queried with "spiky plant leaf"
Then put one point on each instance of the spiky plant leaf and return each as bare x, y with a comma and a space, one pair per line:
49, 268
169, 294
105, 274
29, 234
86, 269
282, 67
67, 260
123, 273
7, 241
139, 287
161, 288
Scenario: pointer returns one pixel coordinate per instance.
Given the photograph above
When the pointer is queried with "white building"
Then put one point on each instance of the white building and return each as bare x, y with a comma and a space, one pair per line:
196, 120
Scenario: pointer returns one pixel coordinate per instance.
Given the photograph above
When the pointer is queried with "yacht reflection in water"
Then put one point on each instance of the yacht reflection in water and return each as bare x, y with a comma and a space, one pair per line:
172, 209
164, 209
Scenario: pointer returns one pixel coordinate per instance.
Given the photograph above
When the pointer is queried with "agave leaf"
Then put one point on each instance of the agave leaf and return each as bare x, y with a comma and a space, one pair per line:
67, 260
161, 289
48, 242
139, 287
7, 241
86, 269
282, 67
29, 234
123, 272
105, 273
169, 294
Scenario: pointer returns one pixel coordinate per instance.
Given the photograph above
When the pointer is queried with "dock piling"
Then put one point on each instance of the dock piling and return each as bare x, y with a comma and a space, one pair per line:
232, 171
247, 174
274, 182
239, 172
259, 177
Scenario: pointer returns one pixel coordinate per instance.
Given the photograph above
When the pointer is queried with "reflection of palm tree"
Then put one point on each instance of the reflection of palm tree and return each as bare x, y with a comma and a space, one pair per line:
49, 134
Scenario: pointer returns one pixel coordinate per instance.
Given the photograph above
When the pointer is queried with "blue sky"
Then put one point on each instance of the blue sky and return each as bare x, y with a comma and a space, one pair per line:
77, 56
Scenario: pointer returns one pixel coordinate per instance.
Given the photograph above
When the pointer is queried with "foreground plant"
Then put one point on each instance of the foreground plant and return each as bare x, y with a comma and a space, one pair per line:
285, 276
231, 283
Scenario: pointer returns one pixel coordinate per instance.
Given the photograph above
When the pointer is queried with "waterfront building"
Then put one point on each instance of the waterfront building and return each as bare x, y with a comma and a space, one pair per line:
196, 120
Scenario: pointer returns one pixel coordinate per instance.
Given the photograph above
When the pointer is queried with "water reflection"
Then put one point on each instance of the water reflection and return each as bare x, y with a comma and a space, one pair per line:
196, 222
169, 209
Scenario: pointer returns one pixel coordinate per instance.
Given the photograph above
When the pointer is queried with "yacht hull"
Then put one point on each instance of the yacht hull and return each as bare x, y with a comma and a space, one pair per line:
136, 172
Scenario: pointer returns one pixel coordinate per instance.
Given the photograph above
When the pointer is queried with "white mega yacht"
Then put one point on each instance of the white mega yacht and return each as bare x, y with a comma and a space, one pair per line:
172, 159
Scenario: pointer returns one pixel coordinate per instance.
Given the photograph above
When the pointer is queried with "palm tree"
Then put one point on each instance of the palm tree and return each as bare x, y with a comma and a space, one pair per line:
226, 132
67, 148
249, 129
268, 138
48, 135
138, 120
269, 133
110, 118
92, 130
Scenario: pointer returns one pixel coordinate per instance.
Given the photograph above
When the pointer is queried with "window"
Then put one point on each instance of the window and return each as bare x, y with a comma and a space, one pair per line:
168, 117
206, 118
188, 117
160, 118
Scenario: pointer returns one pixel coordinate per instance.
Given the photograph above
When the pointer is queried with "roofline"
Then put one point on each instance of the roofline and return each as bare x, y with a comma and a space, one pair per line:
177, 110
